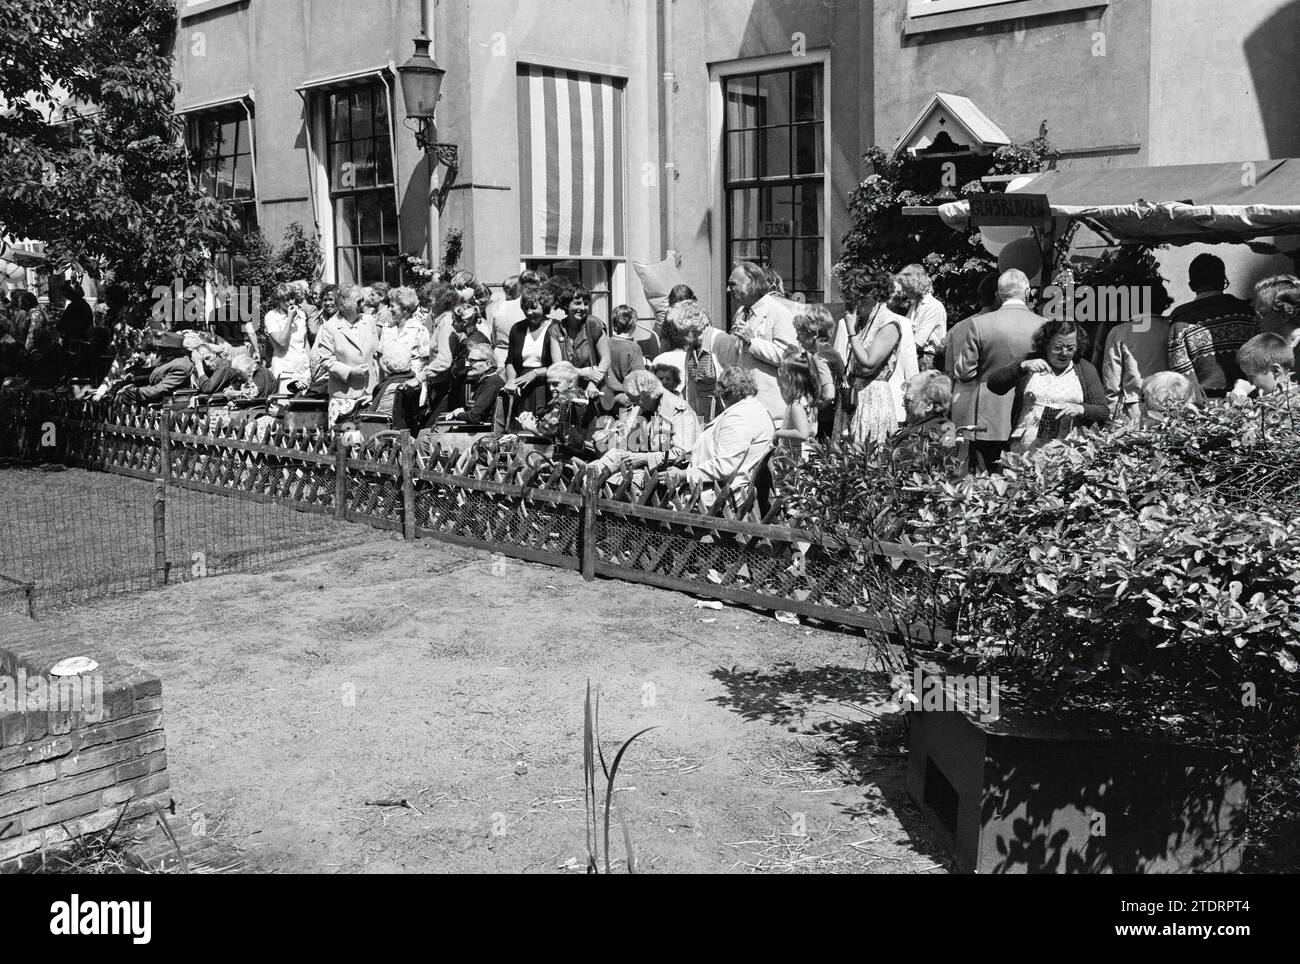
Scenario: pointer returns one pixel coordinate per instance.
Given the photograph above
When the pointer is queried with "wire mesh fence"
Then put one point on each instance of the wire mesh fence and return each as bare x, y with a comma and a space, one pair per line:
68, 535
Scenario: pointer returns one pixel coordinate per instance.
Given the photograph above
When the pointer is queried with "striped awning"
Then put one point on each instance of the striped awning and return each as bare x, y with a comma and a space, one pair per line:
570, 164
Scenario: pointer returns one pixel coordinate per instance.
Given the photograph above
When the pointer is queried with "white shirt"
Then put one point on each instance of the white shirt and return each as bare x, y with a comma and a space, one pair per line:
929, 324
534, 346
288, 334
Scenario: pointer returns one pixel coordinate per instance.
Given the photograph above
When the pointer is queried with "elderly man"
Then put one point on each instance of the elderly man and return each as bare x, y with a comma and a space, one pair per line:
658, 429
239, 375
993, 341
733, 445
346, 348
766, 330
170, 369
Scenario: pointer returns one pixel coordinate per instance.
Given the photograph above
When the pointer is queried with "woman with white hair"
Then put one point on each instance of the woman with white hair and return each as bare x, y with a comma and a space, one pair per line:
732, 447
929, 318
683, 329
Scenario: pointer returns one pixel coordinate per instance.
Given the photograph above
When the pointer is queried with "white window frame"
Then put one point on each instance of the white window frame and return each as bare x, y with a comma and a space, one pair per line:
717, 126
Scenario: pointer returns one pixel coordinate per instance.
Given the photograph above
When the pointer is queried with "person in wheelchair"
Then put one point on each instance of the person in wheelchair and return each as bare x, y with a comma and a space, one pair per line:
483, 384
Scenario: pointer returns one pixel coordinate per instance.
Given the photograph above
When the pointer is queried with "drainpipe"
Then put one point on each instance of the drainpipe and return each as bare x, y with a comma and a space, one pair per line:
669, 192
432, 226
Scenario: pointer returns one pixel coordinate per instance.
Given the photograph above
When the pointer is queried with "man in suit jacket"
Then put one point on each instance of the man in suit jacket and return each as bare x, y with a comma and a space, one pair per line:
965, 394
988, 343
766, 329
171, 371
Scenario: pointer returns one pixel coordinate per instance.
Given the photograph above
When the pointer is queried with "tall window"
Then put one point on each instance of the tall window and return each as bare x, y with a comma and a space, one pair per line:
361, 186
775, 175
221, 159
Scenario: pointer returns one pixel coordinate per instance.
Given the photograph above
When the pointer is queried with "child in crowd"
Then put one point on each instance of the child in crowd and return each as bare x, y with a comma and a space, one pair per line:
1163, 393
815, 328
624, 357
798, 381
1267, 362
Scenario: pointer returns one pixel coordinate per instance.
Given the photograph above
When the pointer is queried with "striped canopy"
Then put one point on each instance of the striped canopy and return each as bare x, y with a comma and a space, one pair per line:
570, 164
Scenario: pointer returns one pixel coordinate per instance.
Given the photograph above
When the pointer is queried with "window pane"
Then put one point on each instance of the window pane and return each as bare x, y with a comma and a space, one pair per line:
228, 140
742, 102
381, 112
774, 98
781, 257
388, 207
807, 266
339, 128
226, 177
383, 161
742, 251
346, 266
808, 149
363, 163
807, 210
362, 124
778, 212
392, 267
742, 156
368, 215
372, 265
243, 176
774, 152
744, 212
808, 94
345, 221
342, 177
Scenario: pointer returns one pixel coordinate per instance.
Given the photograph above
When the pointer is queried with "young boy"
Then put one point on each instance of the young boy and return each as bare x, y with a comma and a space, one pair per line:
624, 357
1267, 362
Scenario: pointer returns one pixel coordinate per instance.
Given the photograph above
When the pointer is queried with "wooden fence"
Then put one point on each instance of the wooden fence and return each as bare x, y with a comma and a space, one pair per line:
507, 500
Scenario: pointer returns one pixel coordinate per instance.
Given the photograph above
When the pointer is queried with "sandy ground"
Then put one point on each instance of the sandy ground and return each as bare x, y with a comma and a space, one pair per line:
455, 680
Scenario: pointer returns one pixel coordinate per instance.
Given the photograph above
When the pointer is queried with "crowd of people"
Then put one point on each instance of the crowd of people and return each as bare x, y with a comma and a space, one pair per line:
699, 402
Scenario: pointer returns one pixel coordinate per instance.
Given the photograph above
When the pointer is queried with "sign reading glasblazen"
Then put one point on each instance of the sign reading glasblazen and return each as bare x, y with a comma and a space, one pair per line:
1009, 209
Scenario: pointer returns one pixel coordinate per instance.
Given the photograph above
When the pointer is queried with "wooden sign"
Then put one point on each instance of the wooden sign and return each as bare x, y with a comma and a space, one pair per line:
1009, 209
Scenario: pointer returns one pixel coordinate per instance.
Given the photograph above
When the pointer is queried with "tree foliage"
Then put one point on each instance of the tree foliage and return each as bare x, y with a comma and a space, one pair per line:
91, 155
263, 266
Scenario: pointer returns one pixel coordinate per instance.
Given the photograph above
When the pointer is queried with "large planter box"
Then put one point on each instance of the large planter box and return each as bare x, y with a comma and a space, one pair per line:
1010, 797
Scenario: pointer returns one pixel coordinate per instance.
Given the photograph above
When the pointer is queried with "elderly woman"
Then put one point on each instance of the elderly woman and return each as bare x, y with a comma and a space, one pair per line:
403, 340
345, 348
1164, 393
733, 445
530, 351
683, 331
658, 430
1051, 380
286, 330
913, 288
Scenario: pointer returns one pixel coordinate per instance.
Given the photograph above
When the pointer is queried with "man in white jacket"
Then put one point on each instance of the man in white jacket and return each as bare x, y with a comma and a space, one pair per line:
765, 327
733, 445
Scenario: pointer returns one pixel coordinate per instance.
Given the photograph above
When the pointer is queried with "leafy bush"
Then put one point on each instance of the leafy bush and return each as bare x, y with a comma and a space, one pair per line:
1151, 573
264, 266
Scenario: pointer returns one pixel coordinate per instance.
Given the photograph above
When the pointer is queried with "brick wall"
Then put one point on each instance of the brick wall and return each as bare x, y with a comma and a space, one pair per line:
64, 772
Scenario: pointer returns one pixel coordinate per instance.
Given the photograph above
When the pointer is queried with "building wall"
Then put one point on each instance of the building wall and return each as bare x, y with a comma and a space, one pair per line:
1085, 72
1225, 87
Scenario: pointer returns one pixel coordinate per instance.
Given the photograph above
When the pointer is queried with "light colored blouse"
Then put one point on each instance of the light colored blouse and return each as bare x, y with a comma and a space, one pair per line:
404, 347
534, 346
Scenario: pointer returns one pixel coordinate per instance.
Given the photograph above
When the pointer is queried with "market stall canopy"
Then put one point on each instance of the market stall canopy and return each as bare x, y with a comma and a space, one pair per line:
1176, 204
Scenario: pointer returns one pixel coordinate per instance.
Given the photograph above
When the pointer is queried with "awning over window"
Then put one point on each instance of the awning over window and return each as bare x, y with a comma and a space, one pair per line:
570, 164
1175, 204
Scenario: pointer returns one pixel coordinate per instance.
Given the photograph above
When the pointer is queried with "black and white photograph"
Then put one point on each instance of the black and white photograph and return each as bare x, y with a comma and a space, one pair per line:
655, 437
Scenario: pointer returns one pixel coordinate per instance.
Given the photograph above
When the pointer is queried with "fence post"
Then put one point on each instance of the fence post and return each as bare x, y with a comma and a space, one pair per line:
165, 444
590, 490
160, 532
340, 477
407, 456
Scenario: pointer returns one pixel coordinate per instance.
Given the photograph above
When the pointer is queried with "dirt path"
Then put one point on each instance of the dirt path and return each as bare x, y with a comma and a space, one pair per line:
455, 681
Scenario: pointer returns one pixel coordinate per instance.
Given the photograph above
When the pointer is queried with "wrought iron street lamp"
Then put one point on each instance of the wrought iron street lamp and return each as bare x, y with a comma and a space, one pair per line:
421, 88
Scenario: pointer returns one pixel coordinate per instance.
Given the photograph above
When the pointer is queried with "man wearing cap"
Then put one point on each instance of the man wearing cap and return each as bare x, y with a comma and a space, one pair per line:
170, 371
